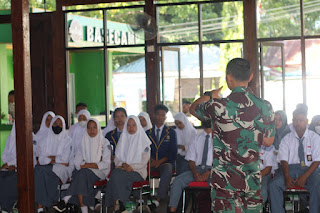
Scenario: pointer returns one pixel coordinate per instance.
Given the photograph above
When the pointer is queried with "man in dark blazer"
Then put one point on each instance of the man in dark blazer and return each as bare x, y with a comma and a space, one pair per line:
163, 150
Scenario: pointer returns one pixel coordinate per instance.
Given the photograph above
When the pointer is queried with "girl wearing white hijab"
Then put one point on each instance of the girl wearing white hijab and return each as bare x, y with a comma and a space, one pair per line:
54, 156
8, 174
185, 133
145, 121
93, 163
44, 128
76, 133
131, 160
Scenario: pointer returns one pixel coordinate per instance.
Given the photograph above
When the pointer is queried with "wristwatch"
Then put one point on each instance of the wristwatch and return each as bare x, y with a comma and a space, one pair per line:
208, 93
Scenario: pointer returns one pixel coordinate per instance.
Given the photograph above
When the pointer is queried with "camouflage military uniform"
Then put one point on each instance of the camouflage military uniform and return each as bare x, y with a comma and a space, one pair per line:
240, 122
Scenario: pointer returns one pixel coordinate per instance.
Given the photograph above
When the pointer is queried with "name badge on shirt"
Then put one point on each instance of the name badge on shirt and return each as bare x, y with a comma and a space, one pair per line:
303, 163
168, 138
309, 157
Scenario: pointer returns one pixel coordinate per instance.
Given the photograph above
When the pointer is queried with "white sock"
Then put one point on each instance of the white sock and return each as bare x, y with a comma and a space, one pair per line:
98, 195
40, 209
91, 207
84, 209
156, 203
67, 198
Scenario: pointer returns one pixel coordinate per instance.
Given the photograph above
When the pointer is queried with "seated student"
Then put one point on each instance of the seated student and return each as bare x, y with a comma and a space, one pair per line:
8, 174
92, 162
200, 156
119, 116
267, 164
44, 128
145, 120
131, 161
185, 133
54, 155
80, 106
315, 124
299, 154
163, 150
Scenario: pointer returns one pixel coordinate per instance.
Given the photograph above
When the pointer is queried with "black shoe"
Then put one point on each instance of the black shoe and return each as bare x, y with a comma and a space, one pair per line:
60, 206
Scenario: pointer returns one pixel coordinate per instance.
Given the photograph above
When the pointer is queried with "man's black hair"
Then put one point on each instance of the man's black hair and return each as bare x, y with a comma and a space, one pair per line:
239, 68
206, 124
119, 109
160, 107
300, 111
11, 92
186, 102
81, 105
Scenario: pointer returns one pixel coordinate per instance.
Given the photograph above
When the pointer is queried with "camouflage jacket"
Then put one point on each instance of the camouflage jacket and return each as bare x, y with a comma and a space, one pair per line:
239, 123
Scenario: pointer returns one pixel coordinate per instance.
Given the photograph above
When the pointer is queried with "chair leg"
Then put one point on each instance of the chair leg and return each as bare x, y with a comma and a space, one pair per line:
183, 201
141, 200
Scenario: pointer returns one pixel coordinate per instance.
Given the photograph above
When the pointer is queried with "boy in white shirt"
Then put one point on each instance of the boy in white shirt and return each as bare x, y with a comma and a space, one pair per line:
299, 154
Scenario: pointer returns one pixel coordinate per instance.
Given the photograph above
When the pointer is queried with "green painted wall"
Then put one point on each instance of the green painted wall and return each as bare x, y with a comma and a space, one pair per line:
88, 68
6, 77
3, 137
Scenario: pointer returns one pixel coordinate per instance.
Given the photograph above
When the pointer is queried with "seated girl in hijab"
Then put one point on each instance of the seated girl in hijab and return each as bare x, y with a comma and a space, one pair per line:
185, 133
54, 155
44, 128
315, 124
131, 159
8, 174
76, 133
93, 163
145, 121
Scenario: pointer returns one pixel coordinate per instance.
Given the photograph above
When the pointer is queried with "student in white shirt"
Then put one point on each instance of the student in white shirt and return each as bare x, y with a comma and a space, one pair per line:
54, 156
185, 133
299, 154
92, 163
267, 161
200, 165
131, 161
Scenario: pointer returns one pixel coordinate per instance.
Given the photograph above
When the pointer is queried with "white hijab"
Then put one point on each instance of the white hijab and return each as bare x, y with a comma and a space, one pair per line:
53, 145
9, 152
184, 136
147, 117
91, 148
78, 130
130, 147
110, 126
43, 131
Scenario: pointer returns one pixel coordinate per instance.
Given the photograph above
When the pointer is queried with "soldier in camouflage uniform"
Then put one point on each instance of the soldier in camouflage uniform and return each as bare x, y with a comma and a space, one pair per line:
241, 123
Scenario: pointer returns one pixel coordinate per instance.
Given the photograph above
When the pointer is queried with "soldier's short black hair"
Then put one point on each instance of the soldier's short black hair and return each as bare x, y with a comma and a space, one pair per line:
186, 102
11, 93
206, 124
119, 109
160, 107
239, 68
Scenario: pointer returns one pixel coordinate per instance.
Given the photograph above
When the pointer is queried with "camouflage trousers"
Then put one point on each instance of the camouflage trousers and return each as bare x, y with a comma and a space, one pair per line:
236, 201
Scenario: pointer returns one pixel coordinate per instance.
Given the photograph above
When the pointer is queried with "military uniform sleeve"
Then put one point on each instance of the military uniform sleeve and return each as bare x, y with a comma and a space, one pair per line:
268, 121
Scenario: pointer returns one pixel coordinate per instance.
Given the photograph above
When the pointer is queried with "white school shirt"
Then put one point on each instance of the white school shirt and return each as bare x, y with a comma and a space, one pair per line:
104, 165
288, 149
196, 147
267, 157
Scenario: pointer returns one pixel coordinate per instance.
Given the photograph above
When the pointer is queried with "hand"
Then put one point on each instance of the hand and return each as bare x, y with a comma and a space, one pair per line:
182, 147
84, 166
289, 181
53, 159
152, 162
127, 167
11, 168
204, 177
4, 166
301, 181
157, 164
197, 176
215, 92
